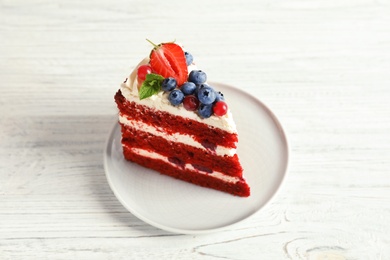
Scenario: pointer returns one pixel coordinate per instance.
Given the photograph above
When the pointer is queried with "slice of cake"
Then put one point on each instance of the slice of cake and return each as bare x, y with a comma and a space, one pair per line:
174, 122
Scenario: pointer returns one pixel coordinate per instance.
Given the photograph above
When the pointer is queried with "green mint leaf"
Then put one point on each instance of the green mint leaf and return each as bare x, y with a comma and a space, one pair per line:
150, 86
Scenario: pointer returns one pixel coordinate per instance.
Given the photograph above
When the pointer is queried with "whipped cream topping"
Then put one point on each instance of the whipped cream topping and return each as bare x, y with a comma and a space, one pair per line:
160, 101
175, 137
152, 155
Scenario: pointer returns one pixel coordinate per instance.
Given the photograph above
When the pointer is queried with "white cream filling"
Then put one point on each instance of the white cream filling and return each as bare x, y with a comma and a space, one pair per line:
175, 137
160, 101
217, 175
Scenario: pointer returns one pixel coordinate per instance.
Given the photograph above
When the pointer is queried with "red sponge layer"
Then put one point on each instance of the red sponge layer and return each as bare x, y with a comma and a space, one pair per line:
239, 188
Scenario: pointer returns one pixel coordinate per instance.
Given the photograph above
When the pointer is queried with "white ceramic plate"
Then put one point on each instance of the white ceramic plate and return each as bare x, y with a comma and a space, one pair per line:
180, 207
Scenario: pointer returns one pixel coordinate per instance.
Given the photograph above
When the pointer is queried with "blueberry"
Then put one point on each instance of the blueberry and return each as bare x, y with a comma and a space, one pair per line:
198, 87
197, 76
169, 84
205, 111
189, 58
206, 95
176, 97
188, 88
219, 96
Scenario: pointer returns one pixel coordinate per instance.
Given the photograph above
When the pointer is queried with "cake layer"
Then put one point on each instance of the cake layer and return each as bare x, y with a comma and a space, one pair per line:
207, 135
234, 185
173, 137
180, 153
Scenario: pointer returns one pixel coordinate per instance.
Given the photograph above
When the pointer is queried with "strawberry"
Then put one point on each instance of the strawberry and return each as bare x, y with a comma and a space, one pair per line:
168, 60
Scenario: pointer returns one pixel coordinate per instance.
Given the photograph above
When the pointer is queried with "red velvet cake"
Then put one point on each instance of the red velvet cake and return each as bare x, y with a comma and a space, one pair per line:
175, 123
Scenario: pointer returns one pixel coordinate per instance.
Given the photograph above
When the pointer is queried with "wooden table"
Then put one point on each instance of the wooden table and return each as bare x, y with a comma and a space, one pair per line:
323, 67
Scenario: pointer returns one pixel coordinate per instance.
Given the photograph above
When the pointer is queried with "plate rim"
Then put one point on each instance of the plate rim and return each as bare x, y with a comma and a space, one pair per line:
283, 135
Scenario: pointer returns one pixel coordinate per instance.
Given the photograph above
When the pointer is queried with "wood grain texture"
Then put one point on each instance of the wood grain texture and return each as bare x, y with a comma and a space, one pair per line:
321, 66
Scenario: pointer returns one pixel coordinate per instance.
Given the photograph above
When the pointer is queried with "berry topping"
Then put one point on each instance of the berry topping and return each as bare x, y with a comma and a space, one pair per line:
168, 71
168, 60
142, 71
219, 97
189, 58
191, 103
205, 111
168, 84
197, 76
176, 97
188, 88
220, 108
206, 95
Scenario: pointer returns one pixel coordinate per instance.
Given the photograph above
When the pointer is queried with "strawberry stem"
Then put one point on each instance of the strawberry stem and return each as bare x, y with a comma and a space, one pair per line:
154, 45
